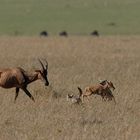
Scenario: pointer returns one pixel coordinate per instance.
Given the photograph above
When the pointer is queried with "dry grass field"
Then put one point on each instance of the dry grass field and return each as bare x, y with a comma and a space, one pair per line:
73, 61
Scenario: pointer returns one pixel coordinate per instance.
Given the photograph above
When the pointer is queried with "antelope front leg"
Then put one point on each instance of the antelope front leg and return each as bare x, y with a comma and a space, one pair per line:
28, 93
104, 98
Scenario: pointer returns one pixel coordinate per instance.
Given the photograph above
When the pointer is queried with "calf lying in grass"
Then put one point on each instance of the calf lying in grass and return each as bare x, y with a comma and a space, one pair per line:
74, 98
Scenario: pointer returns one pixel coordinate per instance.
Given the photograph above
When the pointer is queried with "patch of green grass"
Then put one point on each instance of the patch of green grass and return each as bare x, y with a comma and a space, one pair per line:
29, 17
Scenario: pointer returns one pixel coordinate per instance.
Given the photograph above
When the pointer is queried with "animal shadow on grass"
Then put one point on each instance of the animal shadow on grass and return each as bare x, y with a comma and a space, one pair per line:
55, 94
47, 93
91, 122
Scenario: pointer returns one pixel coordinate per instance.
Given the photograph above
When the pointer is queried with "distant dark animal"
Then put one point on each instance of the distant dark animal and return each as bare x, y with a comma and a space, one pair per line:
64, 33
112, 24
44, 33
95, 33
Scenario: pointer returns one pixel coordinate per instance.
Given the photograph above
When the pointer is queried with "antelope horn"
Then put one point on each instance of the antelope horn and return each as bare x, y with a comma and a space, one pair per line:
46, 63
41, 64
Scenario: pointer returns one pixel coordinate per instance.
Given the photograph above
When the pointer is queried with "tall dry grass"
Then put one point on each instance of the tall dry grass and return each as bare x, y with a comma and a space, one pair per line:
73, 61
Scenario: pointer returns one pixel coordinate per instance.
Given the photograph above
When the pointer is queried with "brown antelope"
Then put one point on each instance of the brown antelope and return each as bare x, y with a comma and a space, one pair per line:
19, 78
102, 89
107, 93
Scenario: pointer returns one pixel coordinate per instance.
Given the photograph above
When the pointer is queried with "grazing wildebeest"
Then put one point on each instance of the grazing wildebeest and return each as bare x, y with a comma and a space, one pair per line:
95, 33
44, 33
64, 33
112, 24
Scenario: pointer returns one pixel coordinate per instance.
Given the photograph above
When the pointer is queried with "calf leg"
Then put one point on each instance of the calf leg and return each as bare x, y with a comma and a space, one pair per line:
88, 98
82, 98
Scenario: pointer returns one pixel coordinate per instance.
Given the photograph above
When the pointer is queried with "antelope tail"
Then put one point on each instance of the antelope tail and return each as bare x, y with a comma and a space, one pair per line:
80, 91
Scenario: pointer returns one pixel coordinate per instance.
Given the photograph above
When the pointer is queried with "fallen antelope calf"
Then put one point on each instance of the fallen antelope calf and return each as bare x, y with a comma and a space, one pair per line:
74, 98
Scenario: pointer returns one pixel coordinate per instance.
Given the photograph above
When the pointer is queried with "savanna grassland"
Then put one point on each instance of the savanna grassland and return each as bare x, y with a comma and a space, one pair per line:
78, 60
73, 61
30, 17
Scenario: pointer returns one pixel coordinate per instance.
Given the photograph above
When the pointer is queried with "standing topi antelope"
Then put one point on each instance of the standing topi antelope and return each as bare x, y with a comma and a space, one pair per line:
102, 89
19, 78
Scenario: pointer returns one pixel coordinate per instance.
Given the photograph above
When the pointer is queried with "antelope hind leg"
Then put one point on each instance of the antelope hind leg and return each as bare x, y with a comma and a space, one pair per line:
16, 94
